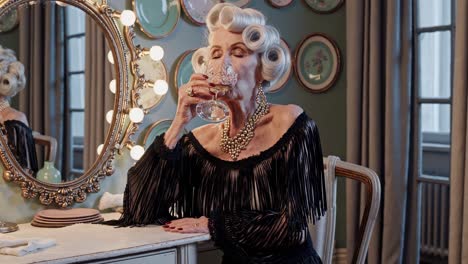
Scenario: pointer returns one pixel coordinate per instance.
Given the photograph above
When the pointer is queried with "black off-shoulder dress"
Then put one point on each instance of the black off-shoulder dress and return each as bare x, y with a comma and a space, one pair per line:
258, 207
21, 143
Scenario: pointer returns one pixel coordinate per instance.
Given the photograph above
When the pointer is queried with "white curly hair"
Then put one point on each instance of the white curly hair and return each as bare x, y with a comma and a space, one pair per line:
257, 36
12, 78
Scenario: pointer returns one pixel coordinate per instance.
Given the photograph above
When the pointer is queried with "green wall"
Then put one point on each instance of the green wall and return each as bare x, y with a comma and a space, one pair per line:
10, 39
294, 23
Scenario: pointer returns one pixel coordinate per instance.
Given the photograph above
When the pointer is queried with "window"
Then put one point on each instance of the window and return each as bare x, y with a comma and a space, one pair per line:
433, 39
434, 30
75, 91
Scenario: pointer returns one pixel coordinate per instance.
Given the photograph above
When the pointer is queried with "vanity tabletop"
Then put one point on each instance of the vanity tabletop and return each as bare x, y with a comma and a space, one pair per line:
83, 242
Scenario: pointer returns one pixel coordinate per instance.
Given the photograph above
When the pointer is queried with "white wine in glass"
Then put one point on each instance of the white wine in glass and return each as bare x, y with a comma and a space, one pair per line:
216, 110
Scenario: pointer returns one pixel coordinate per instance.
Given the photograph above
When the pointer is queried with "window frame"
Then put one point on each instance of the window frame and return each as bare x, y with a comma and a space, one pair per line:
71, 172
430, 140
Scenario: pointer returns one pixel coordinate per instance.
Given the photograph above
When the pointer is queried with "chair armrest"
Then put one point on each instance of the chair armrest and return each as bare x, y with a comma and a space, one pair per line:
49, 142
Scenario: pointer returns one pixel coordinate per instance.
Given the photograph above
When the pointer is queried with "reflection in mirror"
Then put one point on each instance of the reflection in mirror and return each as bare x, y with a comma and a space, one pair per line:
64, 53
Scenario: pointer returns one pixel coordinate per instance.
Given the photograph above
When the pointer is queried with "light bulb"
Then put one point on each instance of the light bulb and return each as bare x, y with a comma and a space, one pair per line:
60, 3
113, 86
109, 116
127, 17
156, 53
136, 115
110, 57
136, 152
99, 149
160, 87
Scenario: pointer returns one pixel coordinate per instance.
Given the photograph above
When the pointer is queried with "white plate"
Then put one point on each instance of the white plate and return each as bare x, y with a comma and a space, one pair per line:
276, 86
196, 10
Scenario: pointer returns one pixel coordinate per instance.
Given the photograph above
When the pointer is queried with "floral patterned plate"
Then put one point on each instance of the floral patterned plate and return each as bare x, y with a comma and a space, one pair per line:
317, 62
153, 71
324, 6
196, 10
276, 86
239, 3
8, 21
280, 3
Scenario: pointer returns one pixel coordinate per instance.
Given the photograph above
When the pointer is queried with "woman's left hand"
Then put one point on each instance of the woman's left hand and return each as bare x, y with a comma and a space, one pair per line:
188, 225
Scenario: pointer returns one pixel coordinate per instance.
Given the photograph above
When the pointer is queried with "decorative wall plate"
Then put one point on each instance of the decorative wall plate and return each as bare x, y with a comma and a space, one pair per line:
280, 3
324, 6
317, 62
153, 71
196, 10
276, 86
9, 21
239, 3
183, 69
157, 18
155, 130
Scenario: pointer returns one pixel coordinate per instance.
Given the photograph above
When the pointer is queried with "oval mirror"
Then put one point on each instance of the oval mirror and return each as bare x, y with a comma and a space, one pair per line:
60, 121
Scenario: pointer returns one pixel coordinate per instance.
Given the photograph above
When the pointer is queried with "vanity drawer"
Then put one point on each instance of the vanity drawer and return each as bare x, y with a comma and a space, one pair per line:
168, 256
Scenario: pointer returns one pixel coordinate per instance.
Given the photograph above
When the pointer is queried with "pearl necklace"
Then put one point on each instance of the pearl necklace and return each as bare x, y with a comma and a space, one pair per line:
4, 104
233, 146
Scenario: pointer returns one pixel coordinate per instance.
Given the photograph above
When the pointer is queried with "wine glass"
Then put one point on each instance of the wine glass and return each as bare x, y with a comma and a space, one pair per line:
223, 77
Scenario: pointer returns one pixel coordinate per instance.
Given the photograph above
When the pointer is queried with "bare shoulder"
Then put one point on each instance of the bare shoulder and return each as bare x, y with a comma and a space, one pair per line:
285, 114
13, 114
281, 118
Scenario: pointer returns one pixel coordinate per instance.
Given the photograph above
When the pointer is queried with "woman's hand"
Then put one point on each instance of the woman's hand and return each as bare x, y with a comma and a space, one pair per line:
188, 225
190, 94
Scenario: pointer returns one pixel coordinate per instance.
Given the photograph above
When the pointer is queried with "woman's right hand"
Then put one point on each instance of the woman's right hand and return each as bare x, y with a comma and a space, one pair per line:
186, 104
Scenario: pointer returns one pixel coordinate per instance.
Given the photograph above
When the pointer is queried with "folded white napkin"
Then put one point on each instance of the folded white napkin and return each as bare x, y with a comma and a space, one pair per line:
10, 245
109, 200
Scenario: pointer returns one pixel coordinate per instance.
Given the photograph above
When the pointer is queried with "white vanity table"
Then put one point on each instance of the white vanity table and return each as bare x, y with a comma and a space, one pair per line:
90, 243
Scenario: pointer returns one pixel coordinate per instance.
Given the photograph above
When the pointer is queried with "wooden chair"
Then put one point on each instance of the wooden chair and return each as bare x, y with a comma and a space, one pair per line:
49, 143
323, 232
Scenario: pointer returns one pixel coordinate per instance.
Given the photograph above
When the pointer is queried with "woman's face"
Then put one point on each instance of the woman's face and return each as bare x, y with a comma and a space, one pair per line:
228, 48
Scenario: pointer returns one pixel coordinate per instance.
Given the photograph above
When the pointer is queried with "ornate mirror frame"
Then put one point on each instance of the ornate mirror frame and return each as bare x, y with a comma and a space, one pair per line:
120, 41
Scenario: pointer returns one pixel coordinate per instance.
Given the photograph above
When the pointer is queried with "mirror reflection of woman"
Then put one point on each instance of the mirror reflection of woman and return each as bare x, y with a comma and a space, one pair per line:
14, 123
254, 181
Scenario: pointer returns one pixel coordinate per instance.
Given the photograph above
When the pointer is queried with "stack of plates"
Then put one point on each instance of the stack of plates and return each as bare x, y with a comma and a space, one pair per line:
60, 218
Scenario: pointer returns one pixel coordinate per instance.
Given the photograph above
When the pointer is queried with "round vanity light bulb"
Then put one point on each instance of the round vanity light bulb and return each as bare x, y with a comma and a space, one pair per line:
109, 116
127, 17
136, 115
160, 87
156, 53
110, 57
136, 152
99, 149
60, 3
113, 86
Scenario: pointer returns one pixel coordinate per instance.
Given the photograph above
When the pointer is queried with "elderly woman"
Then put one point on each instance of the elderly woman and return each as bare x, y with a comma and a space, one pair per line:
254, 181
15, 123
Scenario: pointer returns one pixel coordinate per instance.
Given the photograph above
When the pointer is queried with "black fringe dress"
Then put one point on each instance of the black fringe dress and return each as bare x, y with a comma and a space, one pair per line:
21, 143
258, 207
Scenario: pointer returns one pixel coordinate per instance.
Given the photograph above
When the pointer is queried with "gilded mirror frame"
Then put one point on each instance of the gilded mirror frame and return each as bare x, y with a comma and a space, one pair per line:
120, 131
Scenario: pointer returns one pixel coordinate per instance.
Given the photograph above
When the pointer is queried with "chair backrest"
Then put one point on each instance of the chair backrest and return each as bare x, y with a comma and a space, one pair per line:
50, 144
323, 232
